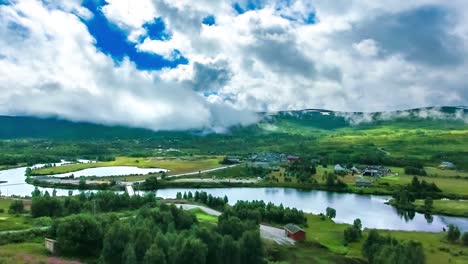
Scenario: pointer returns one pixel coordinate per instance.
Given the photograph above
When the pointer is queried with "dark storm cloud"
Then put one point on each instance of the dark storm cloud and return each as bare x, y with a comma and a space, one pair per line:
276, 47
422, 35
210, 76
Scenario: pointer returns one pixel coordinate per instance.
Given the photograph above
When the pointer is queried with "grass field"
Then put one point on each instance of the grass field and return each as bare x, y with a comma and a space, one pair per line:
12, 222
204, 217
433, 171
175, 165
29, 252
449, 207
447, 185
437, 249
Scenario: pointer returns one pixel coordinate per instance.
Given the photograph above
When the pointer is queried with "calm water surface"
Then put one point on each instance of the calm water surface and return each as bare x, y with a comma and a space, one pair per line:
369, 208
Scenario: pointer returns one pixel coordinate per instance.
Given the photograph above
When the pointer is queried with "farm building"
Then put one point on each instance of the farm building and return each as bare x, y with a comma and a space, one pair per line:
50, 245
340, 169
447, 165
295, 232
376, 171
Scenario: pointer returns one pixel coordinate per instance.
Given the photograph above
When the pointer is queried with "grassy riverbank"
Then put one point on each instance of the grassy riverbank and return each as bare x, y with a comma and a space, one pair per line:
437, 249
446, 207
176, 165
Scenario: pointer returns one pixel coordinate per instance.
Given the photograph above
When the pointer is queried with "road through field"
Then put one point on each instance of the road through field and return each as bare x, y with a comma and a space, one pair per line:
266, 232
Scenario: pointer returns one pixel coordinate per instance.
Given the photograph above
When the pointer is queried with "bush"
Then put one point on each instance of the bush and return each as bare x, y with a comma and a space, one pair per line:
330, 212
21, 236
453, 233
16, 207
465, 239
351, 234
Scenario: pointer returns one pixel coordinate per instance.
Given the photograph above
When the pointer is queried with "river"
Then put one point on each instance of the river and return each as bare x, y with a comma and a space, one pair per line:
371, 209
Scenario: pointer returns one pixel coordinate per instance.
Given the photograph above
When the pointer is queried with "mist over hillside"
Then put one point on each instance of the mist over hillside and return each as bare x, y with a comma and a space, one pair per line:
309, 119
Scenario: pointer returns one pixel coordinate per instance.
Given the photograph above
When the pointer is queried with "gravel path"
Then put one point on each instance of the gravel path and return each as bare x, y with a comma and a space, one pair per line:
266, 232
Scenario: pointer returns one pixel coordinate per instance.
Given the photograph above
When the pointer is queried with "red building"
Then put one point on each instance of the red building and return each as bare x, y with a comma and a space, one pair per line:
295, 232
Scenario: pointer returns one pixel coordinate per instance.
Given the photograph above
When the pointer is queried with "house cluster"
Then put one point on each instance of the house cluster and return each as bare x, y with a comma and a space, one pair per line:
372, 171
272, 160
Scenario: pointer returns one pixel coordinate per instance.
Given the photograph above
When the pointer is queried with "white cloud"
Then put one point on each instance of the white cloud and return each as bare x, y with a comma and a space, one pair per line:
361, 56
367, 47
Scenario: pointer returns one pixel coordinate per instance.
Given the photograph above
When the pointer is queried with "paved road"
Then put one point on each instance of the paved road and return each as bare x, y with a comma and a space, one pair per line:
194, 173
227, 180
266, 232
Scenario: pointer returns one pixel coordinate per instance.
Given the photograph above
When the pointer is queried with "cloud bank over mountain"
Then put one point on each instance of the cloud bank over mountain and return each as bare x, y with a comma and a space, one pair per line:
212, 64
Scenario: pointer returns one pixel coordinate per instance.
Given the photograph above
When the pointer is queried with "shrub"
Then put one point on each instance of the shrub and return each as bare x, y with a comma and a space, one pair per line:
16, 207
465, 239
453, 233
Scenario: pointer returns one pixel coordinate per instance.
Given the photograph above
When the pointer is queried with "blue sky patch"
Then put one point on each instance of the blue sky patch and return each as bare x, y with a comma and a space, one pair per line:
209, 20
247, 6
113, 41
312, 18
156, 30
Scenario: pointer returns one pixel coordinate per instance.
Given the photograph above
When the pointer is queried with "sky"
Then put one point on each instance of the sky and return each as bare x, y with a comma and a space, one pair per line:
212, 64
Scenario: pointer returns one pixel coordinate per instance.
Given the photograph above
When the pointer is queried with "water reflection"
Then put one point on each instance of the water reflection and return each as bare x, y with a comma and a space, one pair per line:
371, 209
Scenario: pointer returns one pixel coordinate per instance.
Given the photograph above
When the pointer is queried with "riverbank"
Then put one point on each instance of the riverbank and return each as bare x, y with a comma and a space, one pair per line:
440, 207
436, 247
174, 165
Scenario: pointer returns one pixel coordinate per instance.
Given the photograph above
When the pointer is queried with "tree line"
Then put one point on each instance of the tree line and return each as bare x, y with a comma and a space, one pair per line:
158, 234
44, 204
205, 198
261, 212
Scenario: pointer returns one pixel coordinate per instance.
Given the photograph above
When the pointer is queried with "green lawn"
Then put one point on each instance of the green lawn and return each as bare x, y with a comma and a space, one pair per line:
449, 207
433, 171
12, 222
204, 217
437, 249
175, 165
447, 185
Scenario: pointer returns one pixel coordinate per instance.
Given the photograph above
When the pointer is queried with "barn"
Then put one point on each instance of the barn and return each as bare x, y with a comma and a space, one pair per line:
295, 232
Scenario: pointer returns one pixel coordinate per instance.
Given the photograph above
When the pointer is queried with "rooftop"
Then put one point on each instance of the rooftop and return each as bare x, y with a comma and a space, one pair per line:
293, 228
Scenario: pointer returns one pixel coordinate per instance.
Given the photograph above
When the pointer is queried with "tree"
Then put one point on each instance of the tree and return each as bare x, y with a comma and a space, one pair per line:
330, 180
351, 234
453, 233
330, 213
79, 235
193, 251
357, 224
142, 243
46, 206
465, 239
82, 184
36, 192
251, 249
129, 254
16, 207
115, 241
155, 255
428, 204
230, 250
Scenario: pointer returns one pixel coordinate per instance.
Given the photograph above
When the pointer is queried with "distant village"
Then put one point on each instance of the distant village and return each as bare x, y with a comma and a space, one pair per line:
365, 174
